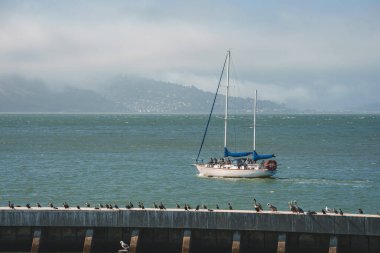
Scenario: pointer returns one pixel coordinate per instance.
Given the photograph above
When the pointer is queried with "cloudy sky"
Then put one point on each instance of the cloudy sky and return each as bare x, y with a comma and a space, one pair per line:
307, 54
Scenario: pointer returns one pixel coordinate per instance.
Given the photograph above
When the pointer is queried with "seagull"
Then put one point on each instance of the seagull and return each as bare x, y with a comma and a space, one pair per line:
177, 205
309, 212
197, 208
210, 210
78, 207
130, 204
51, 205
116, 206
101, 205
186, 207
27, 205
204, 206
229, 206
335, 211
271, 207
87, 204
127, 206
124, 245
323, 211
65, 205
38, 205
155, 205
217, 206
328, 210
340, 211
360, 211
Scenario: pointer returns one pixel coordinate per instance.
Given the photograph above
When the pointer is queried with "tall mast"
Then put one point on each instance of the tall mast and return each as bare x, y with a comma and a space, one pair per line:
227, 88
254, 121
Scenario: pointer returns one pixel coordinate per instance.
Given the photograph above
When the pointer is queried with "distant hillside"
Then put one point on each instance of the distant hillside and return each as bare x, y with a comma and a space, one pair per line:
22, 95
123, 95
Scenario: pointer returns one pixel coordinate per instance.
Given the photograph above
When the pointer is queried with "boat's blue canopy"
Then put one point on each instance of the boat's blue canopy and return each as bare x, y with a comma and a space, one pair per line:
259, 157
254, 154
235, 154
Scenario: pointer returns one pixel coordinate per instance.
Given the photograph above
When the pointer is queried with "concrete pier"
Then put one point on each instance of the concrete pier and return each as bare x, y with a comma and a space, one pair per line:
175, 230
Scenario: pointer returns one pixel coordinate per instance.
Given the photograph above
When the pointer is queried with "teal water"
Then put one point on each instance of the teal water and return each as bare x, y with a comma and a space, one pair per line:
331, 160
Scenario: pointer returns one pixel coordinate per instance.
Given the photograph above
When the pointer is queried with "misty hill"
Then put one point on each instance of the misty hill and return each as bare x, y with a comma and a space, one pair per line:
123, 95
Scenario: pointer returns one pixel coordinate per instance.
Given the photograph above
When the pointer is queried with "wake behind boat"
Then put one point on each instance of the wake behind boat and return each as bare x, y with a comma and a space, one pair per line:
236, 164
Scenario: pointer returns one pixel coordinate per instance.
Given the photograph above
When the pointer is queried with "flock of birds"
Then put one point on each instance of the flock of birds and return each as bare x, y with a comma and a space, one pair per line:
293, 206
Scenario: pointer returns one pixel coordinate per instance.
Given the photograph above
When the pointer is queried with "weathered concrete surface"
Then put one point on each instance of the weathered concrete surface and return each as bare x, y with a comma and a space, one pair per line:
236, 220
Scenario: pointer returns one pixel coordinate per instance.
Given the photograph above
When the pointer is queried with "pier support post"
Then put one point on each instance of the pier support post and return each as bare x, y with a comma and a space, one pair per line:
333, 247
36, 240
88, 241
134, 241
236, 242
186, 241
281, 243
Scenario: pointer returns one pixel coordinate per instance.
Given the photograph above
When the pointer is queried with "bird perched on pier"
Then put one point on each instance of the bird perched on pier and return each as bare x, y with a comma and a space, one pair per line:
177, 205
340, 211
38, 205
217, 206
124, 245
329, 210
257, 206
185, 207
11, 205
128, 206
161, 206
335, 211
78, 207
323, 211
210, 210
65, 205
87, 204
298, 209
28, 205
197, 208
360, 211
188, 207
271, 207
310, 212
131, 204
116, 206
292, 207
204, 206
229, 206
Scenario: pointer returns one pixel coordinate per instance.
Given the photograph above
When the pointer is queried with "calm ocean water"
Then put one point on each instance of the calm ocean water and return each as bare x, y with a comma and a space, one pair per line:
331, 160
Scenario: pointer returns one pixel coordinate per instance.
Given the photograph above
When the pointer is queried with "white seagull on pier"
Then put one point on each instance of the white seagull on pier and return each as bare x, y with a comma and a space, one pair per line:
124, 245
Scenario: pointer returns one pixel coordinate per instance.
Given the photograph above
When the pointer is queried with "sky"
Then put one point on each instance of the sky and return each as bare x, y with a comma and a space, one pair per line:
306, 54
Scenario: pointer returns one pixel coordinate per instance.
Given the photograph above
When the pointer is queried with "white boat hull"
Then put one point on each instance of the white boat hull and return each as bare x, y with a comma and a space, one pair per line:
253, 171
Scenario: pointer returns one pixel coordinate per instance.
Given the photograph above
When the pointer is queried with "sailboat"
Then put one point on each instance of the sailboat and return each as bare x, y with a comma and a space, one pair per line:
247, 164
